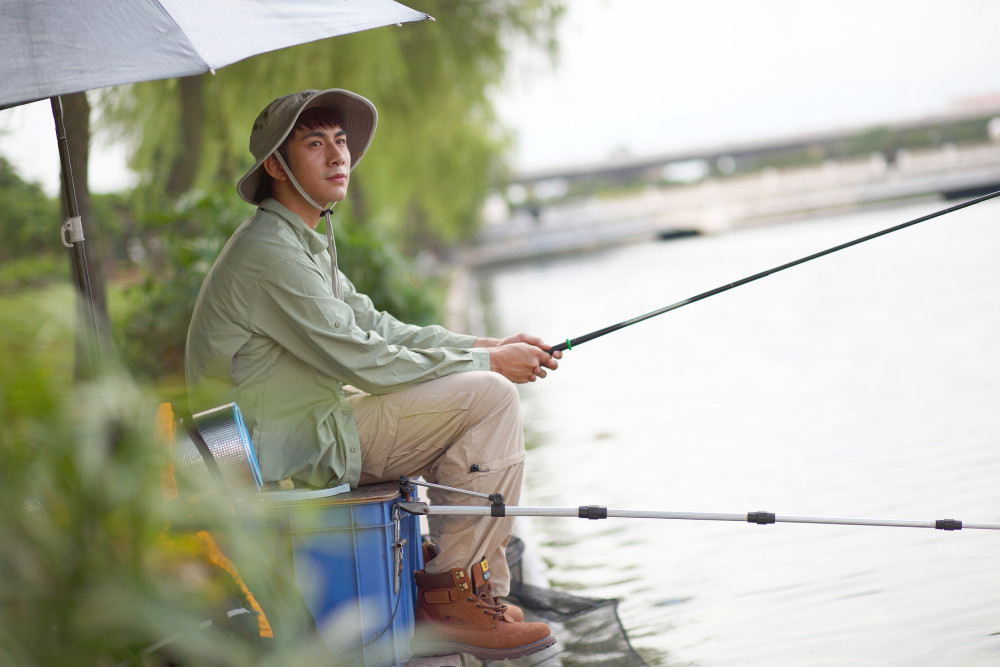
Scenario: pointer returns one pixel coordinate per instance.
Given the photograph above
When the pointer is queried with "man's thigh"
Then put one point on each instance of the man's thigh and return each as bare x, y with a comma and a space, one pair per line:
408, 432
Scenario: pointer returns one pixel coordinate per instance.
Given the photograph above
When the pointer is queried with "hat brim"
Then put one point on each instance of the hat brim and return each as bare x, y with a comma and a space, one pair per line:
359, 121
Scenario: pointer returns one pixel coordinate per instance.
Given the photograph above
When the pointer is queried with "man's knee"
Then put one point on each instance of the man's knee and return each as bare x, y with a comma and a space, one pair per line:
495, 388
493, 440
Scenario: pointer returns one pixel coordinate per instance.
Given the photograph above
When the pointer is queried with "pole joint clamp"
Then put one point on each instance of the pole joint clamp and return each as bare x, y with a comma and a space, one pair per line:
593, 512
497, 507
760, 518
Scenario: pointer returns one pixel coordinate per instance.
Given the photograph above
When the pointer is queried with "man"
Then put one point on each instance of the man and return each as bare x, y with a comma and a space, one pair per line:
280, 330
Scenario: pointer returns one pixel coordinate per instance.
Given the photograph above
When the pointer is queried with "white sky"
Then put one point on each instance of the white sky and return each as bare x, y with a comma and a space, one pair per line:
655, 75
649, 76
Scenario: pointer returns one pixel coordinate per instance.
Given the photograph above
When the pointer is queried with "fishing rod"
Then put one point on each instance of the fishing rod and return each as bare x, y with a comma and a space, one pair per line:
498, 508
570, 344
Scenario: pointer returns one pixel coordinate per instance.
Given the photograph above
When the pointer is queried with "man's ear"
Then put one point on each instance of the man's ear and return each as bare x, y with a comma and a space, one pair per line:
274, 168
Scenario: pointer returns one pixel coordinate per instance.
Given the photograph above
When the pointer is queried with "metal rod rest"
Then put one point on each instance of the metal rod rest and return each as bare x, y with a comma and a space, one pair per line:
431, 485
595, 512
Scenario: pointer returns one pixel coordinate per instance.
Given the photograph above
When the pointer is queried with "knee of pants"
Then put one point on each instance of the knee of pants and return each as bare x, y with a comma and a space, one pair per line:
495, 388
498, 398
494, 440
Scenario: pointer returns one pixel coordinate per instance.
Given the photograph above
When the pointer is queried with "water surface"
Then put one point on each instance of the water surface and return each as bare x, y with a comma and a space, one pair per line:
862, 384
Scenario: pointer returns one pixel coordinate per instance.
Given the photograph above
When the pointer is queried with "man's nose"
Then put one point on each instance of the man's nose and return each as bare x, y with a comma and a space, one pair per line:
338, 155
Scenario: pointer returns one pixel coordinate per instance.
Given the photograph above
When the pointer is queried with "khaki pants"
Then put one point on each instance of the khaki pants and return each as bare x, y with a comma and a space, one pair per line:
464, 431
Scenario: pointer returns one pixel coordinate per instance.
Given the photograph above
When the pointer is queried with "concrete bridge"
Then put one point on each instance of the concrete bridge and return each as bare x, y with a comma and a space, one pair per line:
718, 202
971, 126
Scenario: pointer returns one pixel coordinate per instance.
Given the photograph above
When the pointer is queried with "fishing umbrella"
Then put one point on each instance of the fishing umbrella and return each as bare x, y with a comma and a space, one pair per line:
50, 48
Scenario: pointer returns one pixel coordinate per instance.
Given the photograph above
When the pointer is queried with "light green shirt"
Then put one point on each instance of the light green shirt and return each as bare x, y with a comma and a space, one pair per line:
268, 333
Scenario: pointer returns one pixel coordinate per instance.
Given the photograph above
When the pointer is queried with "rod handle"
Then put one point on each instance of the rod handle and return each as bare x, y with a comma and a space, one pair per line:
565, 345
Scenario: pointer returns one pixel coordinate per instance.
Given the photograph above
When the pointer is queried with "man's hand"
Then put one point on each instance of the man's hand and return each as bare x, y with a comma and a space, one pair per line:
522, 360
516, 338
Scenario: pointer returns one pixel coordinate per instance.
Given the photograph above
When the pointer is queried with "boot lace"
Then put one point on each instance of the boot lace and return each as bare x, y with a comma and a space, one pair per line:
488, 604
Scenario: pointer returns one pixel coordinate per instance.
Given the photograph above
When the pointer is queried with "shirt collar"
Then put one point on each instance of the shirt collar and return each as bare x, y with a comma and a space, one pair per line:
314, 241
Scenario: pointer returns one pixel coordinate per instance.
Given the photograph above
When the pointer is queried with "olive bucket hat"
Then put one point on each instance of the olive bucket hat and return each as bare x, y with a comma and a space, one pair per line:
276, 121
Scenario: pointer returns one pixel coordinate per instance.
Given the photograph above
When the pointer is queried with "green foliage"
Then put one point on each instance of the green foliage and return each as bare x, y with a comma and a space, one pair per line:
388, 278
30, 252
30, 220
965, 131
89, 573
150, 327
35, 271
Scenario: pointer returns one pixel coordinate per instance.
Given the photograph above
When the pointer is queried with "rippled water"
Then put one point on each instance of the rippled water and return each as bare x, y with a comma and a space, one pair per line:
863, 384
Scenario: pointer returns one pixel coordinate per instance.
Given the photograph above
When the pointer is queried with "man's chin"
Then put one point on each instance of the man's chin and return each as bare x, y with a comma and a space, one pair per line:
335, 196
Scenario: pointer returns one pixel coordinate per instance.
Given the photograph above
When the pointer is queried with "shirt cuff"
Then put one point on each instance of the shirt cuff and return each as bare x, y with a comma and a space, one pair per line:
480, 358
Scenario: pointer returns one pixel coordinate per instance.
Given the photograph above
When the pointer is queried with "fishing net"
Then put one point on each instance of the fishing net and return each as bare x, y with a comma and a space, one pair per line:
588, 629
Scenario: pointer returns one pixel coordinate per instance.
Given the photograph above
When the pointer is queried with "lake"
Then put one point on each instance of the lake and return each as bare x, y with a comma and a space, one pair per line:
862, 384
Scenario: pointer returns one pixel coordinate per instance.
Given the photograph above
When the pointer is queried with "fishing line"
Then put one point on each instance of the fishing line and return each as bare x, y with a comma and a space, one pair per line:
568, 344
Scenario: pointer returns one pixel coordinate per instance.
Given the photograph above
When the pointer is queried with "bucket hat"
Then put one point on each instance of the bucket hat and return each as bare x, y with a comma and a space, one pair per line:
276, 121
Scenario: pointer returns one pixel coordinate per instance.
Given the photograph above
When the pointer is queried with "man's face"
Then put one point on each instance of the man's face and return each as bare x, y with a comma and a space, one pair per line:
321, 162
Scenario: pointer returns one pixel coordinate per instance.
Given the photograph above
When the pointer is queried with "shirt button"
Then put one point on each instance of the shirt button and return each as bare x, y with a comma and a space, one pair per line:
336, 325
354, 449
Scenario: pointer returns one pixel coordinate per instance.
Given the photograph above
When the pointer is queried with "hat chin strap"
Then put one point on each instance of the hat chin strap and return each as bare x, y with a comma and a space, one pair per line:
331, 245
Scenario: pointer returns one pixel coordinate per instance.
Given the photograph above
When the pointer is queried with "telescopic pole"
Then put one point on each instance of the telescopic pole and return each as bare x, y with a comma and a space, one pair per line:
570, 344
598, 512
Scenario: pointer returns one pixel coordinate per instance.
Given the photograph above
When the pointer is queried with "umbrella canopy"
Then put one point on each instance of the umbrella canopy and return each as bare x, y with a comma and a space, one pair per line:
55, 47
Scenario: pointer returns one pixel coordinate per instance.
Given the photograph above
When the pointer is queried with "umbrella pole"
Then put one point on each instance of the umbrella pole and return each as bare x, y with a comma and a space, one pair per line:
72, 237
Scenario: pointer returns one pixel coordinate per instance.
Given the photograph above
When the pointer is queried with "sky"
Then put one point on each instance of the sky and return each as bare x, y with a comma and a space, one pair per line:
652, 76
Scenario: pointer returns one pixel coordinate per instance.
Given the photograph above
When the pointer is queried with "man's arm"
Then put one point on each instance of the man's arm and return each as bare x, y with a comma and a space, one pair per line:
395, 331
518, 364
294, 308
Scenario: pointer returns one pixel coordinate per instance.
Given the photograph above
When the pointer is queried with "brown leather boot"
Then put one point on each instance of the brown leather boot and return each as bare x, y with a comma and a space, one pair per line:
430, 551
466, 619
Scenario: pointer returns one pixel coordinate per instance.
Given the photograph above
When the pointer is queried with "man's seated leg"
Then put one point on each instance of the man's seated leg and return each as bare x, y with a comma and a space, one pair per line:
461, 431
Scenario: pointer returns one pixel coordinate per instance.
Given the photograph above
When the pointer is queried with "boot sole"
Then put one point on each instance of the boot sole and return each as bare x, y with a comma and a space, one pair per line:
495, 653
